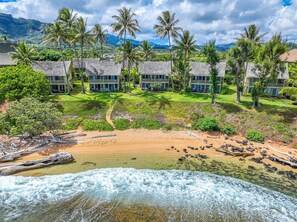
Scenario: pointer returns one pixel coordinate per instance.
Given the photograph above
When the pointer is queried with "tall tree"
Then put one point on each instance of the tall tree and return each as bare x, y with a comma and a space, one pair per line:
212, 58
249, 41
125, 22
24, 53
186, 45
84, 38
56, 36
291, 84
131, 58
268, 66
4, 39
167, 28
67, 18
100, 35
235, 63
145, 50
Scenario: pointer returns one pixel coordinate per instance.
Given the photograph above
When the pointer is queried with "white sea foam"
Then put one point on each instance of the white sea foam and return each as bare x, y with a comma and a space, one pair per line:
193, 191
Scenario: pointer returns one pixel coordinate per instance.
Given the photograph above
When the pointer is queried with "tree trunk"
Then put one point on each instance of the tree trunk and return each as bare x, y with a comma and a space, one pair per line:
256, 102
82, 62
243, 82
64, 65
185, 73
124, 54
213, 97
101, 46
129, 85
237, 85
171, 79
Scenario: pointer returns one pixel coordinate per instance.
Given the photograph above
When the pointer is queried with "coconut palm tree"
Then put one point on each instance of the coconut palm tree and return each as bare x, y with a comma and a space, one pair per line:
212, 58
131, 58
56, 36
125, 22
67, 18
145, 50
186, 45
83, 38
24, 53
166, 28
253, 33
100, 35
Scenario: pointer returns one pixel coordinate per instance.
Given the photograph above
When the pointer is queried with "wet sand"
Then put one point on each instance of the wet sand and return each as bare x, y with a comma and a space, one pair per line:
145, 149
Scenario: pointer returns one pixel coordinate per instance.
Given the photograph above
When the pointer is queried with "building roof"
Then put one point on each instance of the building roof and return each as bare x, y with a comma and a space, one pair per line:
203, 69
102, 68
51, 68
7, 47
252, 73
154, 68
290, 56
76, 62
6, 60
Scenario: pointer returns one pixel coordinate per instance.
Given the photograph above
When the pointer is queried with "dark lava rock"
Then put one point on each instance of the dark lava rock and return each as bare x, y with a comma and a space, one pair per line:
289, 174
185, 150
226, 137
250, 149
257, 160
241, 159
181, 160
196, 149
251, 167
237, 149
203, 156
134, 158
88, 163
190, 147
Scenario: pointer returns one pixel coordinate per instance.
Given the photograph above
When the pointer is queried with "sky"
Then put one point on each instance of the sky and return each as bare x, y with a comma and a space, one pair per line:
222, 20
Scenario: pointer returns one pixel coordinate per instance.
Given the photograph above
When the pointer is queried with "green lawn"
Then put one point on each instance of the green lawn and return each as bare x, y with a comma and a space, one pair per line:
275, 117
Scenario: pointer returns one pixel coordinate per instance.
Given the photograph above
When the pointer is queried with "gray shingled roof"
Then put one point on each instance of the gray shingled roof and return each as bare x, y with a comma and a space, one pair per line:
51, 68
6, 60
102, 68
7, 47
203, 68
77, 61
154, 68
250, 73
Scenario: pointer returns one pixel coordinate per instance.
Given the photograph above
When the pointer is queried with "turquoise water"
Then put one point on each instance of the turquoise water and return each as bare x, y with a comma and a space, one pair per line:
140, 195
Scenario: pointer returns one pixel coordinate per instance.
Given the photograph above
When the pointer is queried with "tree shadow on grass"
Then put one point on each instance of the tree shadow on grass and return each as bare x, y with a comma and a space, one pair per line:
198, 96
162, 102
230, 108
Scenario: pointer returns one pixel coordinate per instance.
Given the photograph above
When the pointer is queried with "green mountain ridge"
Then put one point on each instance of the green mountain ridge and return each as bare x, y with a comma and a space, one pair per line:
16, 29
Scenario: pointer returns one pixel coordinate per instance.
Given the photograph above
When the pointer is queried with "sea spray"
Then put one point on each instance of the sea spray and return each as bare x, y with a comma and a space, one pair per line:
174, 193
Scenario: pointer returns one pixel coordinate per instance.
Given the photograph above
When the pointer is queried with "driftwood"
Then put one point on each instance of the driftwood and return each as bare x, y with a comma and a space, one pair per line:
230, 153
282, 161
58, 158
74, 135
101, 136
270, 147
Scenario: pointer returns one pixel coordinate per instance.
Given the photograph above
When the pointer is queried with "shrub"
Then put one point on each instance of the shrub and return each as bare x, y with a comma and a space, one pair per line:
167, 127
150, 124
121, 124
228, 130
255, 135
72, 124
207, 124
91, 125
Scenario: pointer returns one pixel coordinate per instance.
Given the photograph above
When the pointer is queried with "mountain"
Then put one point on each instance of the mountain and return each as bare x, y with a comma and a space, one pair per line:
31, 31
21, 29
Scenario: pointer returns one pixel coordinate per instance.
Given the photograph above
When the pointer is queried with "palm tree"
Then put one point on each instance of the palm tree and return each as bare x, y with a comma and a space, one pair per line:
24, 53
167, 28
212, 58
4, 39
83, 38
248, 41
253, 33
67, 18
145, 50
131, 58
55, 35
100, 35
186, 45
125, 22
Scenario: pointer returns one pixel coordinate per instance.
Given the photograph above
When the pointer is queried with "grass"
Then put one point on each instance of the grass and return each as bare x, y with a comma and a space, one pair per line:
275, 117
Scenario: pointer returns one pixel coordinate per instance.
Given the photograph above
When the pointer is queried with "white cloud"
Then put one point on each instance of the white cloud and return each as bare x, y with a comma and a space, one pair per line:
219, 19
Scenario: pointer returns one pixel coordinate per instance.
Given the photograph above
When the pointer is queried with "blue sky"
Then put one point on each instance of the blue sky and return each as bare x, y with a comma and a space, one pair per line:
222, 20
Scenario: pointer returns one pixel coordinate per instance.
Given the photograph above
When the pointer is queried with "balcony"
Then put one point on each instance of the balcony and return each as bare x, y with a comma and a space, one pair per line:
154, 80
103, 80
51, 81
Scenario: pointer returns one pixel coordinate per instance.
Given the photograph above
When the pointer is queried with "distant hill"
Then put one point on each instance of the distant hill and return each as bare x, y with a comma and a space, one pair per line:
31, 31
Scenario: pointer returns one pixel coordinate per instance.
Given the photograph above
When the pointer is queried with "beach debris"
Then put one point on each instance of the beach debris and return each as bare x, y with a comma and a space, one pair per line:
284, 153
58, 158
89, 163
277, 159
101, 136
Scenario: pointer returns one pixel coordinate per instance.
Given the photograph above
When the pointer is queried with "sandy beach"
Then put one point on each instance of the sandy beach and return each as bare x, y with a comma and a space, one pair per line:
147, 149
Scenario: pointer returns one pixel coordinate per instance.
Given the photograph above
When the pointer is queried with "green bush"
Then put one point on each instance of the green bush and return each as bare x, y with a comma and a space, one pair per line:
122, 124
91, 125
255, 135
228, 130
167, 127
72, 124
207, 124
150, 124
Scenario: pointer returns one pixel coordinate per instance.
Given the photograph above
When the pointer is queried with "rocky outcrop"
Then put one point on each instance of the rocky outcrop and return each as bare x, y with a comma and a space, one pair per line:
58, 158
